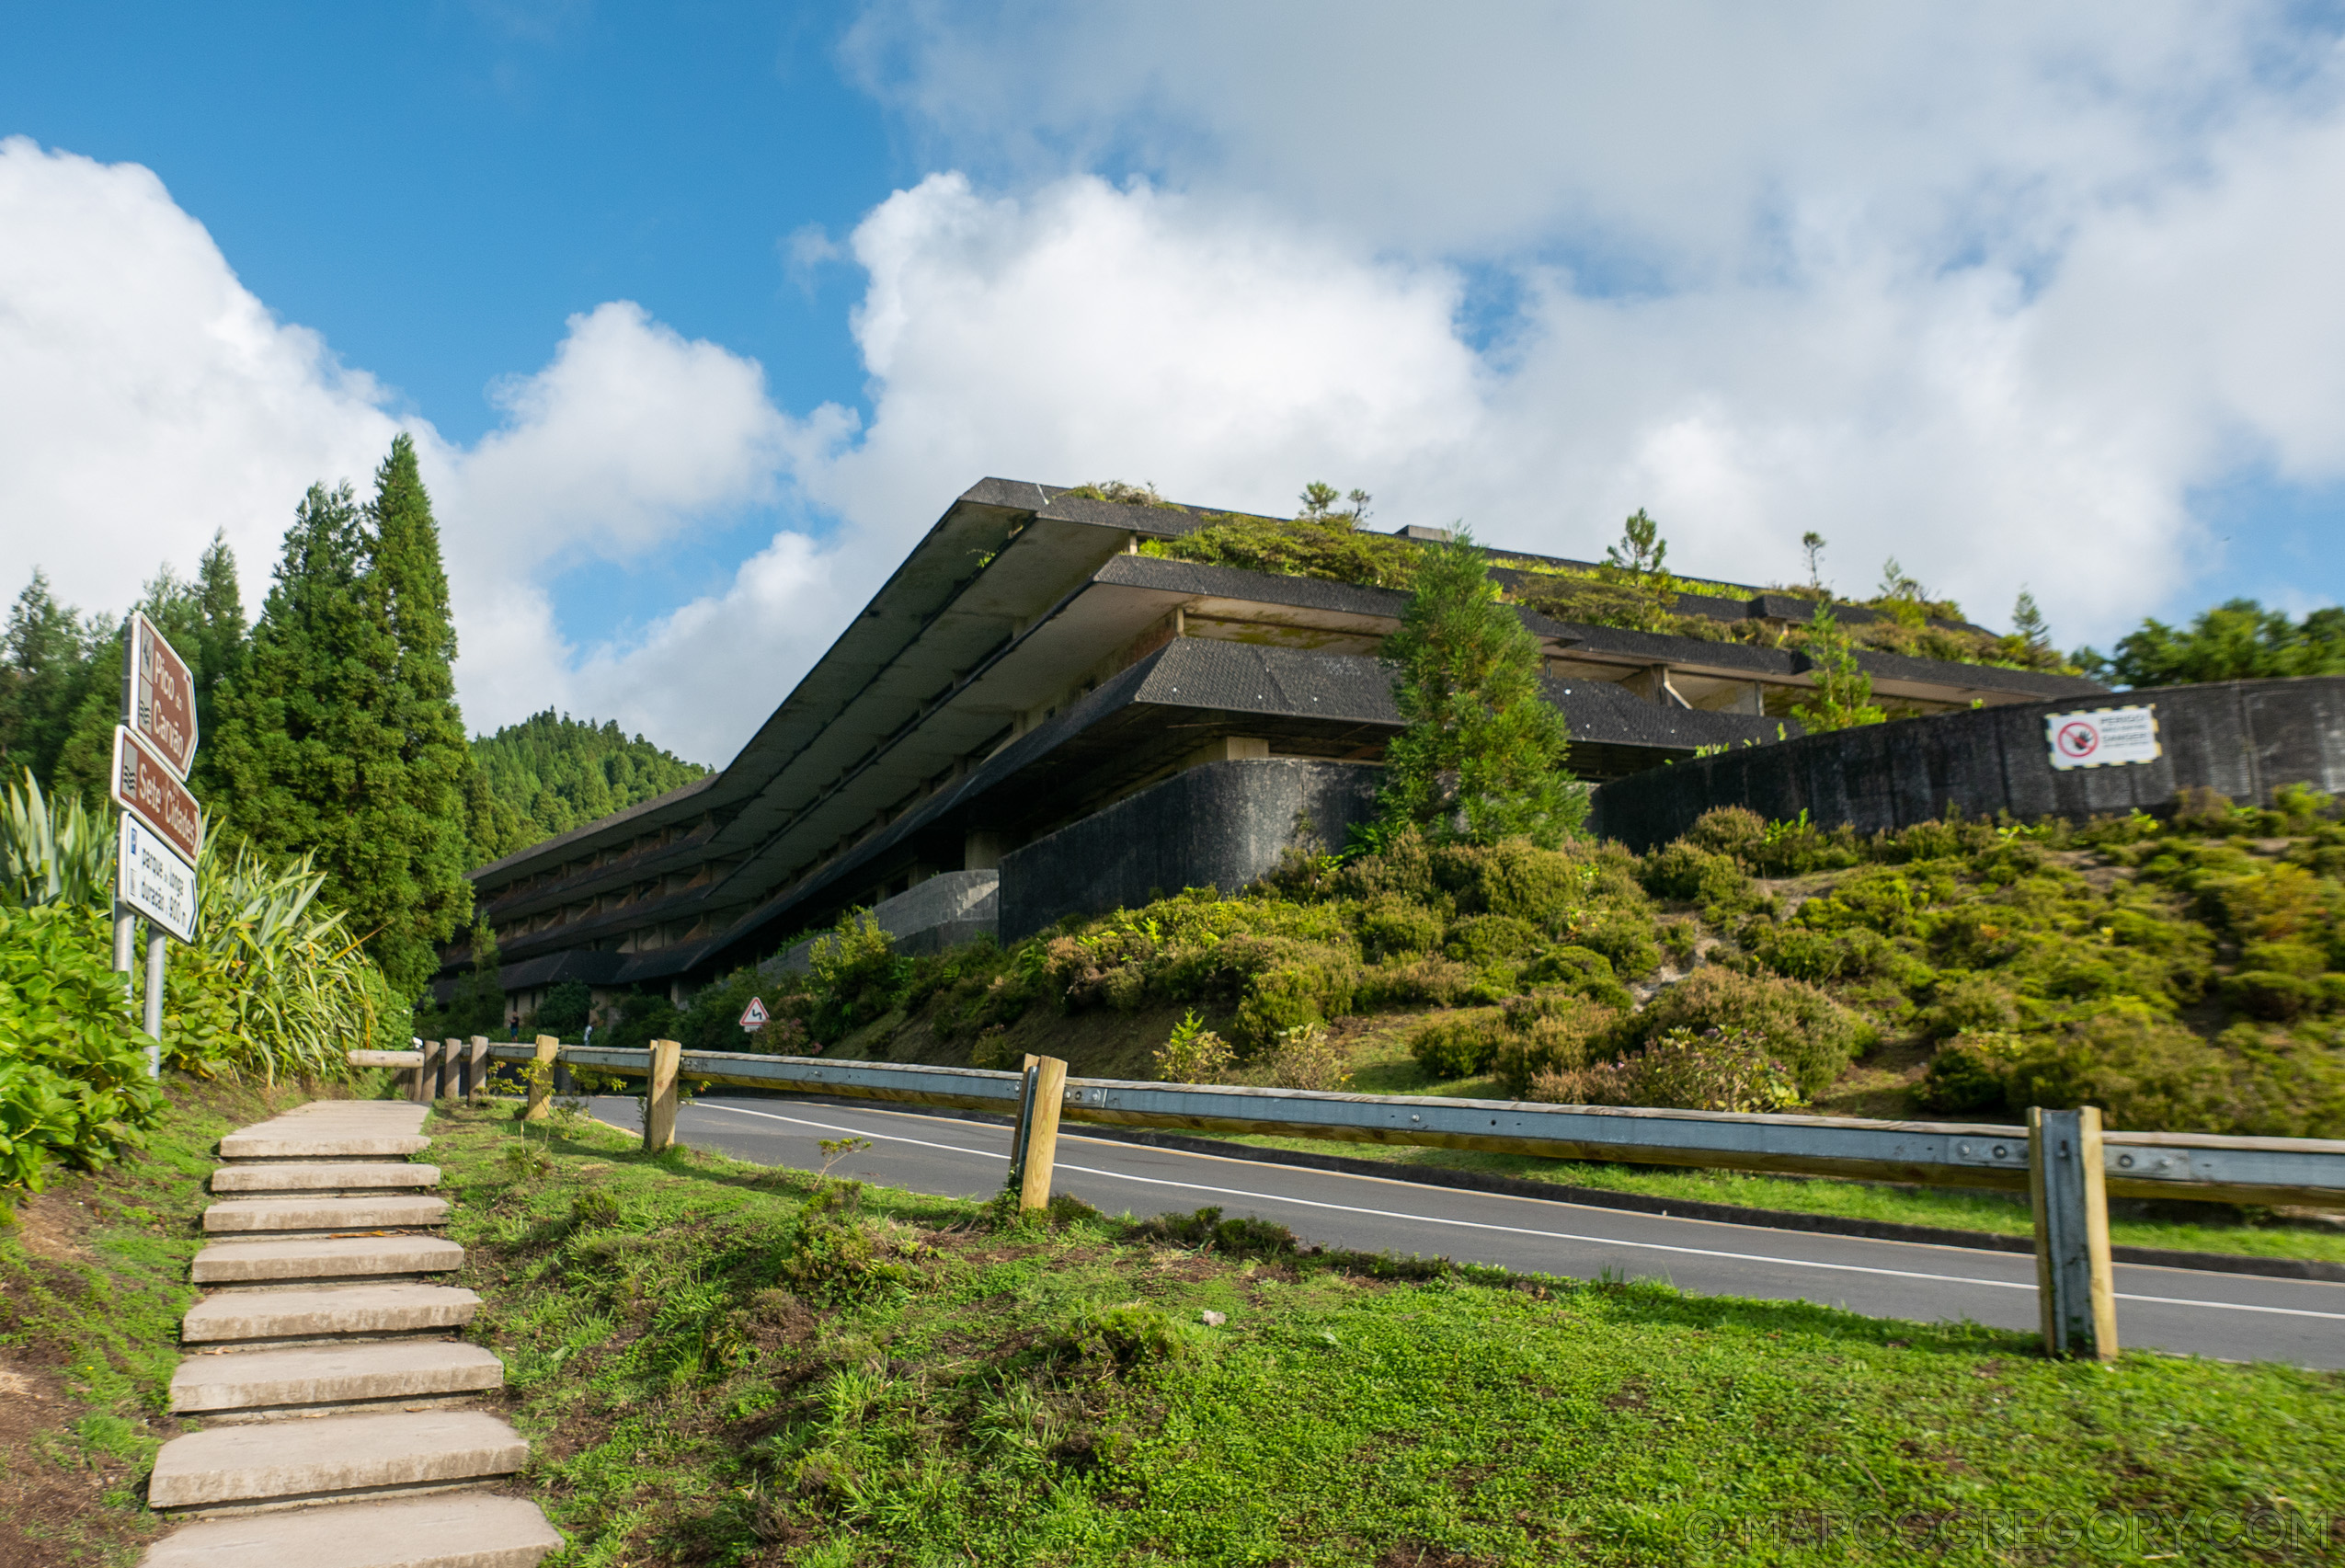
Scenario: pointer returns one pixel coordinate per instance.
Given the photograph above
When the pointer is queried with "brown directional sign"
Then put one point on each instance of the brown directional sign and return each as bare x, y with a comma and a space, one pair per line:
162, 696
147, 787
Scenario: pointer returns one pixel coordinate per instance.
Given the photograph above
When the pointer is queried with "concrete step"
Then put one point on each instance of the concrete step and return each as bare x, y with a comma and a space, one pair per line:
343, 1129
320, 1258
273, 1380
324, 1215
323, 1179
334, 1458
447, 1529
341, 1311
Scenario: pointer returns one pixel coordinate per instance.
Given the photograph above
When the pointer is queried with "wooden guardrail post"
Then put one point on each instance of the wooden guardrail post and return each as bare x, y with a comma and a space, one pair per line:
542, 1079
1035, 1143
2076, 1297
476, 1068
452, 1061
660, 1097
419, 1086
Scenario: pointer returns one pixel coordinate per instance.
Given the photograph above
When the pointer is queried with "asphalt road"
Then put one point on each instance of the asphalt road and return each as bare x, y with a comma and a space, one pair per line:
2234, 1317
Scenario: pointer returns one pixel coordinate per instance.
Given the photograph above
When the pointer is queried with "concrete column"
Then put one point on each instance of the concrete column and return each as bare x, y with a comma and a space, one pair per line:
982, 851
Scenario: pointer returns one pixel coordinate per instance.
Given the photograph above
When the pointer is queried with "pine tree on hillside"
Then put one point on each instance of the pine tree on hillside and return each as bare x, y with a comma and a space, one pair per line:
45, 657
550, 773
1482, 756
289, 727
415, 787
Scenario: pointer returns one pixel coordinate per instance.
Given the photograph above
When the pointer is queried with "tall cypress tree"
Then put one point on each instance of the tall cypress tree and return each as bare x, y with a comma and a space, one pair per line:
288, 726
1482, 756
416, 785
341, 732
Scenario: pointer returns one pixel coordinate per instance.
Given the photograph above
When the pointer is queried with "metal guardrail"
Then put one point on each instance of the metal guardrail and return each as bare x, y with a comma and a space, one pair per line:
2064, 1160
2208, 1166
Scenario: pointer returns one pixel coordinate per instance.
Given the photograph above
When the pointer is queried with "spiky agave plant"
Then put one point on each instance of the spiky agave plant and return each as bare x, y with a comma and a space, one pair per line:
53, 849
301, 990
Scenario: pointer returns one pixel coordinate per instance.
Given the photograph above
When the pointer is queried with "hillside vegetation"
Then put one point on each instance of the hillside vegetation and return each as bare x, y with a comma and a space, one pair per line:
548, 774
2183, 976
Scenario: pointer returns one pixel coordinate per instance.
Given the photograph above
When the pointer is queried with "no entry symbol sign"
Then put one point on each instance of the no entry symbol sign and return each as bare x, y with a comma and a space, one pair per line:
2103, 738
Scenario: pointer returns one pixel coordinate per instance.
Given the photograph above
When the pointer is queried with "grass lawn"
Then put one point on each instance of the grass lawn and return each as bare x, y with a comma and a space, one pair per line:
93, 1282
720, 1363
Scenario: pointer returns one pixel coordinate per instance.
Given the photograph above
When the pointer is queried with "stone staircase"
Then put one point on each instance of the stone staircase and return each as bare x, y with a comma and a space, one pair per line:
326, 1370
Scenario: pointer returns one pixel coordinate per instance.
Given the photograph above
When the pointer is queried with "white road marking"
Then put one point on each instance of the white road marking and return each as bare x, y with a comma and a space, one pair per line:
1523, 1231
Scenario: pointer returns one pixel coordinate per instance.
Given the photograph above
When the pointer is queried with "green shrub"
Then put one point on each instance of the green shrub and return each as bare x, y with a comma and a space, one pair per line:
1792, 1021
1625, 937
1485, 941
73, 1084
1456, 1047
855, 975
1736, 831
566, 1009
1194, 1054
1125, 1338
1391, 926
1305, 1057
1971, 1004
1553, 1032
1581, 970
2271, 994
836, 1258
1970, 1072
1691, 875
1718, 1070
1516, 878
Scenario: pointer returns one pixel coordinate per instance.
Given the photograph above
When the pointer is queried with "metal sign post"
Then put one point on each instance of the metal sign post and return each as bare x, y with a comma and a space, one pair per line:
162, 825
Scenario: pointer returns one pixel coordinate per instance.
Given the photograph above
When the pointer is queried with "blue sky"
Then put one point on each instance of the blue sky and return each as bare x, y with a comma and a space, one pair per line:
703, 312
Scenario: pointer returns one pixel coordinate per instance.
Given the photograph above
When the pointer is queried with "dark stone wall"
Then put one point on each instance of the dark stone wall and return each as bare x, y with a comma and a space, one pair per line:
1221, 824
2243, 737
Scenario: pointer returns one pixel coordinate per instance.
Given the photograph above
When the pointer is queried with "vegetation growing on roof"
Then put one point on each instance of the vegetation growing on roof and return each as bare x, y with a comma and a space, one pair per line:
1632, 589
1116, 490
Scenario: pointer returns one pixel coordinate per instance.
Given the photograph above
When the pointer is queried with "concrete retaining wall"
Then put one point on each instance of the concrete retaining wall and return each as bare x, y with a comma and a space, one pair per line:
950, 907
2243, 737
1221, 824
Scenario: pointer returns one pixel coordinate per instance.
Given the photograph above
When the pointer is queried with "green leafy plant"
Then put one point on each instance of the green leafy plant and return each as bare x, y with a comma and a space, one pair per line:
74, 1084
1194, 1054
1716, 1069
53, 849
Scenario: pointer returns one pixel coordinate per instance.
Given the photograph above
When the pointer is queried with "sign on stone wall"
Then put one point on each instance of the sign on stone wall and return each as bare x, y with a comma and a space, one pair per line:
154, 880
2103, 738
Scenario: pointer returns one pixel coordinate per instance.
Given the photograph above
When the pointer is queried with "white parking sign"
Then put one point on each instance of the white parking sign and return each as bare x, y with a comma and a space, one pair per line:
2104, 737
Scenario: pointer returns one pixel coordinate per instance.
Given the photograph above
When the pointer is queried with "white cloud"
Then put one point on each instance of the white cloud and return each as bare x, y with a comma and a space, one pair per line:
1991, 290
146, 398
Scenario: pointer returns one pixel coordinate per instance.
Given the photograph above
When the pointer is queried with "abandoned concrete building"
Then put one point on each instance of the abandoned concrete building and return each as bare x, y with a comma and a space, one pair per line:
1032, 718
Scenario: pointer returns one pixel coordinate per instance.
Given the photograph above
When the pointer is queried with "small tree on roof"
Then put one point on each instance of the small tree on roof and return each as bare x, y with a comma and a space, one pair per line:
1482, 756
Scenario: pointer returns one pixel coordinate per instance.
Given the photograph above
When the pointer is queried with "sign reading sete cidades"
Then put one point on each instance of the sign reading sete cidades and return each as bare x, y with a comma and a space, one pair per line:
2102, 737
145, 787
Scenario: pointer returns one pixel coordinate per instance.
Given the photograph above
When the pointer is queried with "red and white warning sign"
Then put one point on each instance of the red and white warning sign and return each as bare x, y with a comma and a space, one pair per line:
2104, 737
754, 1015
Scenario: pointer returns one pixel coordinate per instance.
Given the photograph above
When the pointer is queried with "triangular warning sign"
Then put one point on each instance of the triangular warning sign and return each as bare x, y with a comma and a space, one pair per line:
754, 1013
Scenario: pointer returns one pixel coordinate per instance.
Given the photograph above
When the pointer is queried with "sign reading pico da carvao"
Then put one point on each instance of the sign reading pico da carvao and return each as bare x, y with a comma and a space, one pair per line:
162, 696
145, 785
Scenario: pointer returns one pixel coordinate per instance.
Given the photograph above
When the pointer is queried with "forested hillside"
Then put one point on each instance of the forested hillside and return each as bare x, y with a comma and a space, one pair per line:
550, 773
